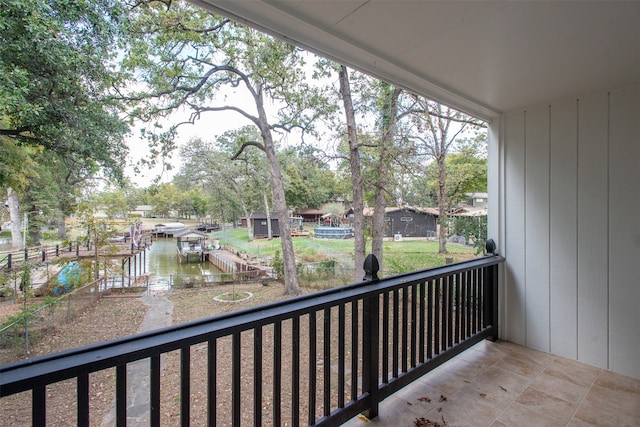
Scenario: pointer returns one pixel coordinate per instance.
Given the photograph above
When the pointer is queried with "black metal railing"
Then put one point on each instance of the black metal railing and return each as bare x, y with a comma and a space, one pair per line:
319, 359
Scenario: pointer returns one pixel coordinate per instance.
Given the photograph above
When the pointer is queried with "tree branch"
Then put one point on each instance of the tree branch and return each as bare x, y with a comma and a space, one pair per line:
245, 145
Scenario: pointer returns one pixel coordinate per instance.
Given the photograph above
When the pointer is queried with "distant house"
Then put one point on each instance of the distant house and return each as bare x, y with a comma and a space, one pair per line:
408, 221
311, 214
476, 200
143, 211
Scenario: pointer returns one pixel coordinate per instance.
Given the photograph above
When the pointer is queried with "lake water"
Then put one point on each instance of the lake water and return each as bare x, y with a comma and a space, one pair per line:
165, 270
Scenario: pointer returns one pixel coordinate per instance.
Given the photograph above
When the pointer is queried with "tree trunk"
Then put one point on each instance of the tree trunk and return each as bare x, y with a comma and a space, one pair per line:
14, 216
267, 211
377, 222
356, 178
389, 113
442, 205
246, 215
62, 229
291, 286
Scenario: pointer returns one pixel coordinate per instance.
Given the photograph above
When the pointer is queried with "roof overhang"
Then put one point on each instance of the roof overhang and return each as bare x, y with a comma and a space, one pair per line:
482, 57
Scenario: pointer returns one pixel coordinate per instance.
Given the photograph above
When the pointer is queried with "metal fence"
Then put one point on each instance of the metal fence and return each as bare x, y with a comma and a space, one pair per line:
30, 324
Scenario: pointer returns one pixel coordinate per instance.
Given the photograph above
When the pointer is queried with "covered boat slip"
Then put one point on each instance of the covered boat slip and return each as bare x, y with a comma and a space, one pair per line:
167, 229
191, 245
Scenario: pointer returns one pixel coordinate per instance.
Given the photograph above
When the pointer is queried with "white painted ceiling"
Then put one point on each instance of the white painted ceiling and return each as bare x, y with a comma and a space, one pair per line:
483, 57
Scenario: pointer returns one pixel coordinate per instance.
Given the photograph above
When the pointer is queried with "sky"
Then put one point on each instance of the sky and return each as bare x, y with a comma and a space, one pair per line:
208, 127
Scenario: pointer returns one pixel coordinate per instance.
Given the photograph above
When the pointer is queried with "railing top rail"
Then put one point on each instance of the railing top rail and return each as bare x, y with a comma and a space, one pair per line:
70, 363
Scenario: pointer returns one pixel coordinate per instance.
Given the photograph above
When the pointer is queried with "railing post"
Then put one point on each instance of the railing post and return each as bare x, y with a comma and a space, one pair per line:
490, 293
371, 340
371, 268
9, 261
493, 277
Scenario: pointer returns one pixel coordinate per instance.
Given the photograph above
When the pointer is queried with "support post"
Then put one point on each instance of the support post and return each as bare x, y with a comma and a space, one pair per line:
371, 340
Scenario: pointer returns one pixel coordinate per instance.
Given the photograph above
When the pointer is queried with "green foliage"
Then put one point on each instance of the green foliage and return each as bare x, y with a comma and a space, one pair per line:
229, 57
278, 265
54, 75
25, 280
16, 164
115, 202
309, 183
5, 291
473, 228
164, 199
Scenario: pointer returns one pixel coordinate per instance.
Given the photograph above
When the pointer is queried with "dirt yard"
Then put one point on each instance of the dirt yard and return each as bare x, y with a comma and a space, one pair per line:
114, 317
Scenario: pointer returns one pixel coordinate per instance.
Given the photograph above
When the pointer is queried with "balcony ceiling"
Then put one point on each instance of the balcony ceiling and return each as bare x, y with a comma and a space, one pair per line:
484, 57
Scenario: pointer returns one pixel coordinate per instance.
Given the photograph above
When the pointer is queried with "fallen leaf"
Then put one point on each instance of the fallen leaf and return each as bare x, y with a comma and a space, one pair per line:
425, 422
442, 398
424, 399
483, 395
503, 388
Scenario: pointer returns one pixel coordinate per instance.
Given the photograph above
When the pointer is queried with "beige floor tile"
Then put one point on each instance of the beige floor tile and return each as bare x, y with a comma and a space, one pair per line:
575, 372
498, 387
504, 384
490, 394
519, 351
392, 412
463, 409
575, 422
521, 366
463, 369
603, 415
481, 358
558, 386
614, 400
421, 395
503, 378
445, 381
616, 381
519, 415
545, 404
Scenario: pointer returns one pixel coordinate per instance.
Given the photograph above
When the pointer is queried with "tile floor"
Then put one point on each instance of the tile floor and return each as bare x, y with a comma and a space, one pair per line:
505, 384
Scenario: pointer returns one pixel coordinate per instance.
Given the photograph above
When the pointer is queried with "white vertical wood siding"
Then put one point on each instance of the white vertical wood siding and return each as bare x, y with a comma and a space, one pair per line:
569, 185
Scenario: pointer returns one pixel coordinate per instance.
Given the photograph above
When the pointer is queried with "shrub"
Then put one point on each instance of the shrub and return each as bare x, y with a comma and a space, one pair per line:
5, 292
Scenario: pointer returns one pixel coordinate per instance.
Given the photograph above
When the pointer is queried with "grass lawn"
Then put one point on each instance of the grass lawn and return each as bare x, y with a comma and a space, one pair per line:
402, 256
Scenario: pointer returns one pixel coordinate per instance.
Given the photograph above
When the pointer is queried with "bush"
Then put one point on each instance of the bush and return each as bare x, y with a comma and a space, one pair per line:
5, 292
278, 265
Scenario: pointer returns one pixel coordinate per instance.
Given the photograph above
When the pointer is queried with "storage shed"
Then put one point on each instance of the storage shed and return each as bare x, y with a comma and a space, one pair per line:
259, 223
410, 222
